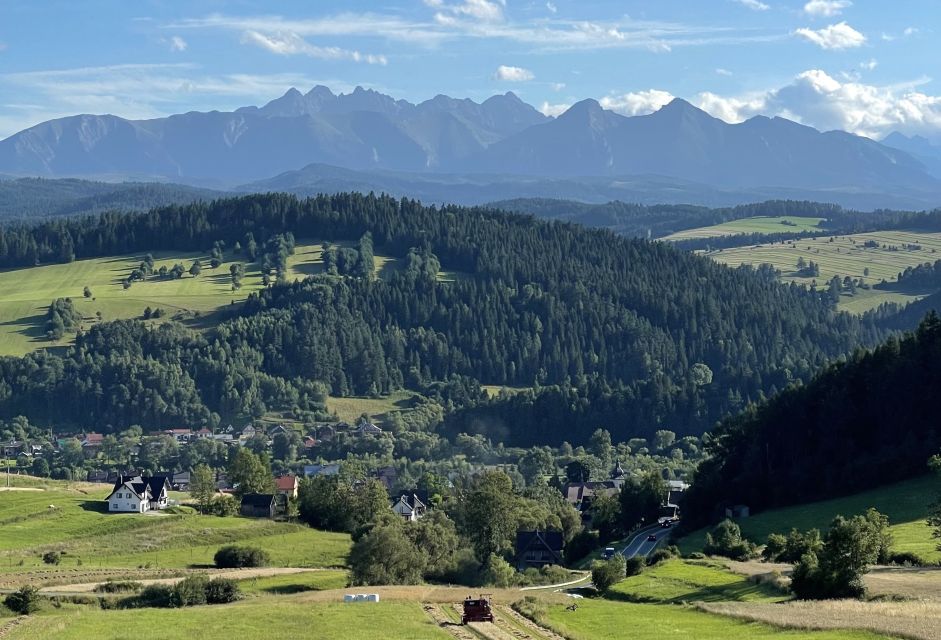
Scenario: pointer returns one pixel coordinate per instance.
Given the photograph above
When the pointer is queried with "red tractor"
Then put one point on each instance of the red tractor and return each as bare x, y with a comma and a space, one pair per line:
477, 609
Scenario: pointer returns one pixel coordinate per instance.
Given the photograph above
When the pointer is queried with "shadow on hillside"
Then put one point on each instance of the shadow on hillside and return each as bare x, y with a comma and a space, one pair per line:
308, 268
97, 506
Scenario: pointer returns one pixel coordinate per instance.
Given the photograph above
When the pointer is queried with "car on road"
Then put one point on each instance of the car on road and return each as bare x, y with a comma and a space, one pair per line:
652, 537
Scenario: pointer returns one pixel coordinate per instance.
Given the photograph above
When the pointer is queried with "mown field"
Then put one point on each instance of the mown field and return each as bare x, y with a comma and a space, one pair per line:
846, 256
25, 294
906, 504
71, 521
676, 581
270, 618
758, 224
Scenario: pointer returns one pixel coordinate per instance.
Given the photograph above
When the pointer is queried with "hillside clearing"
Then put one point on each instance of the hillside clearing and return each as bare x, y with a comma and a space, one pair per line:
757, 224
676, 581
905, 503
25, 294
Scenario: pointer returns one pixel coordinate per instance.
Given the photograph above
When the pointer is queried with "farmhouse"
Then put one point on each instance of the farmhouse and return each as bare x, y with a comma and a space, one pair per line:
538, 549
258, 505
287, 486
138, 494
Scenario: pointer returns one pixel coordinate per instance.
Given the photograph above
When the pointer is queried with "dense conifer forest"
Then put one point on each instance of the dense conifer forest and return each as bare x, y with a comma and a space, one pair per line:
627, 334
862, 423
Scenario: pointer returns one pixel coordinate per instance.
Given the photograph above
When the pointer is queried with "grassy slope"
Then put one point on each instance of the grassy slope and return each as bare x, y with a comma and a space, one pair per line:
349, 409
759, 224
262, 618
598, 619
845, 256
25, 294
693, 581
295, 582
28, 527
906, 504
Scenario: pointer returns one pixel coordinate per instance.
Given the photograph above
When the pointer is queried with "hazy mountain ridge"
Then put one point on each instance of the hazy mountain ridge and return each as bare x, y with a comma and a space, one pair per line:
679, 153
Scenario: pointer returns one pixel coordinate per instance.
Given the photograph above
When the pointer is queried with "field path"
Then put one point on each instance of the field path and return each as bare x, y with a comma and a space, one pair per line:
524, 623
446, 622
7, 628
585, 575
234, 574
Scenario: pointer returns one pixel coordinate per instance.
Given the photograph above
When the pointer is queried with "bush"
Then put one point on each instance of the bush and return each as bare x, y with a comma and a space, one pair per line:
52, 557
726, 540
499, 573
25, 601
634, 566
233, 557
155, 595
222, 591
696, 555
224, 506
659, 555
189, 591
116, 586
581, 545
607, 573
905, 559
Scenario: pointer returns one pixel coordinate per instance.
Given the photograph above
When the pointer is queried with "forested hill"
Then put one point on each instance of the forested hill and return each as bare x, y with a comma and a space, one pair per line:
681, 340
37, 198
867, 422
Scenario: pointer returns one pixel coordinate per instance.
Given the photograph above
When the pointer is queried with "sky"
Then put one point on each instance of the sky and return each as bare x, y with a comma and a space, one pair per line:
865, 66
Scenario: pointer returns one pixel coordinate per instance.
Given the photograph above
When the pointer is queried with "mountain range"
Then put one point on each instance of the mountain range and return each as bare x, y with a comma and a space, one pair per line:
679, 153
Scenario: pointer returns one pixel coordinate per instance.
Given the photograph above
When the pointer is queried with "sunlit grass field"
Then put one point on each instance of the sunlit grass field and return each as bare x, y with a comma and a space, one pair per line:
25, 294
906, 504
71, 521
758, 224
693, 581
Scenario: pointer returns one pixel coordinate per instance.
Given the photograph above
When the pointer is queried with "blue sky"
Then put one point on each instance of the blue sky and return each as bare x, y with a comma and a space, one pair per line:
866, 66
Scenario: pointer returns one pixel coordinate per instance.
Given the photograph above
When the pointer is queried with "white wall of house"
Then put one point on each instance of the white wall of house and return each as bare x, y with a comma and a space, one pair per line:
126, 501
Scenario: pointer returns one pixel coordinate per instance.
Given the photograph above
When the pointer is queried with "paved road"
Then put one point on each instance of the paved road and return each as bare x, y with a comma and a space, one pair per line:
641, 546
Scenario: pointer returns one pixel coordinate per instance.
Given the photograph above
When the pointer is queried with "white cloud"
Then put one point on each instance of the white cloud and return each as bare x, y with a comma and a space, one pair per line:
178, 44
513, 74
723, 72
816, 98
836, 36
557, 86
869, 65
637, 103
554, 110
551, 7
754, 5
910, 31
826, 8
287, 44
484, 10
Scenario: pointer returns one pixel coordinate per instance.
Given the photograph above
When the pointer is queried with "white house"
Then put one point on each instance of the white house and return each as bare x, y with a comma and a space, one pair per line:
138, 495
410, 507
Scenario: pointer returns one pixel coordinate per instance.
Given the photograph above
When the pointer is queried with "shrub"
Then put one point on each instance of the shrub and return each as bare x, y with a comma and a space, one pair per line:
224, 506
659, 555
905, 558
774, 547
233, 557
499, 573
726, 540
189, 591
154, 595
222, 591
52, 557
634, 566
696, 555
606, 573
23, 601
117, 586
581, 545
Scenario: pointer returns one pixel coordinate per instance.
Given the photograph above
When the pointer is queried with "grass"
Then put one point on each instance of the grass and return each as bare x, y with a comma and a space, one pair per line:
676, 581
911, 619
256, 619
494, 390
351, 408
295, 582
846, 256
25, 294
28, 527
598, 619
906, 505
758, 224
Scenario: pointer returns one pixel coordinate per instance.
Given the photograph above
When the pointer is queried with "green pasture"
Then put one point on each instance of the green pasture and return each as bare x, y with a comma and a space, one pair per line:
256, 619
676, 581
906, 504
33, 522
758, 224
601, 619
295, 582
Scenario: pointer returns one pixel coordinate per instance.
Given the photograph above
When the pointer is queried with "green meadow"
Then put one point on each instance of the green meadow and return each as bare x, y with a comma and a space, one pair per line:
267, 617
25, 294
74, 523
677, 581
758, 224
906, 504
